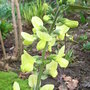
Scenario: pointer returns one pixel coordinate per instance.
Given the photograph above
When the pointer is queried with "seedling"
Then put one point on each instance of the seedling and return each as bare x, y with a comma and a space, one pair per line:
69, 56
86, 46
83, 37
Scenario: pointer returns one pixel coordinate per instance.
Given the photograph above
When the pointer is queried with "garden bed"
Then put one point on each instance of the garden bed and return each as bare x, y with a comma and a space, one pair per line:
78, 69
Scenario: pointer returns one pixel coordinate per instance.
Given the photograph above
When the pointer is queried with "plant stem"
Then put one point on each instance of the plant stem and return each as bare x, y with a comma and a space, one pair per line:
41, 67
44, 51
51, 29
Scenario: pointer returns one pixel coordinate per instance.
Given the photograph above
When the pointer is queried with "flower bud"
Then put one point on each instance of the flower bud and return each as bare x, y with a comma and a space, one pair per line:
46, 18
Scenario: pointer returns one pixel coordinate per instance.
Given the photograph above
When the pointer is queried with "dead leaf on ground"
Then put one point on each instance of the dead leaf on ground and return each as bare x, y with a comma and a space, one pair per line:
24, 75
63, 87
70, 83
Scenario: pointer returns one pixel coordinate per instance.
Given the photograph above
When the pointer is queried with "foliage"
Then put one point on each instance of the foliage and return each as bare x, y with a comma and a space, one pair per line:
45, 38
16, 86
3, 1
86, 46
27, 65
5, 11
32, 9
82, 18
83, 37
8, 78
69, 56
5, 28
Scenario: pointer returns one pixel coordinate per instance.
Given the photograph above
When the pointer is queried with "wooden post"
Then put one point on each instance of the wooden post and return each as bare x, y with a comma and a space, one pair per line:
15, 27
19, 25
2, 44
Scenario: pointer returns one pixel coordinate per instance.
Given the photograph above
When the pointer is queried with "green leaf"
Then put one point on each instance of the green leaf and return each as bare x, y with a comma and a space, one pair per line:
44, 76
63, 62
51, 43
45, 6
34, 30
25, 42
51, 68
41, 44
61, 53
44, 36
16, 86
28, 39
27, 62
86, 46
47, 87
71, 1
82, 18
78, 7
43, 29
36, 22
27, 67
62, 31
32, 80
70, 23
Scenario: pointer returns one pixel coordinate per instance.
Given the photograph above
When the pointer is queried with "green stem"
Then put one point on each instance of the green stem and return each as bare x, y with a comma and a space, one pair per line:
51, 29
41, 67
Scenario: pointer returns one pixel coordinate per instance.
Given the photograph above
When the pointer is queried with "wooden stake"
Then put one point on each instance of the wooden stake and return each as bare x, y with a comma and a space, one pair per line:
2, 44
19, 25
15, 27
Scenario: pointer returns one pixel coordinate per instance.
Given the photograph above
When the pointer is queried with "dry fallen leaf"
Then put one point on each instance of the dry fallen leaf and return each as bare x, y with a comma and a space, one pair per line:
24, 75
63, 87
67, 79
70, 84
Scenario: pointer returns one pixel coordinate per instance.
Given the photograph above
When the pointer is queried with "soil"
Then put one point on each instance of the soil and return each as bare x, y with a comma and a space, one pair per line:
8, 44
79, 68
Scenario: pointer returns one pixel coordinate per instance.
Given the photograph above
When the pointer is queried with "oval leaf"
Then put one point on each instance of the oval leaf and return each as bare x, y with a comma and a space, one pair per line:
28, 39
61, 53
25, 42
63, 62
47, 87
16, 86
41, 44
44, 36
32, 80
70, 23
36, 22
62, 31
51, 68
27, 62
51, 43
71, 1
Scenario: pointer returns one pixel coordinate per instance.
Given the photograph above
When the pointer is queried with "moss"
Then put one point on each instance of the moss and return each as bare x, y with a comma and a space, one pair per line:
7, 79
